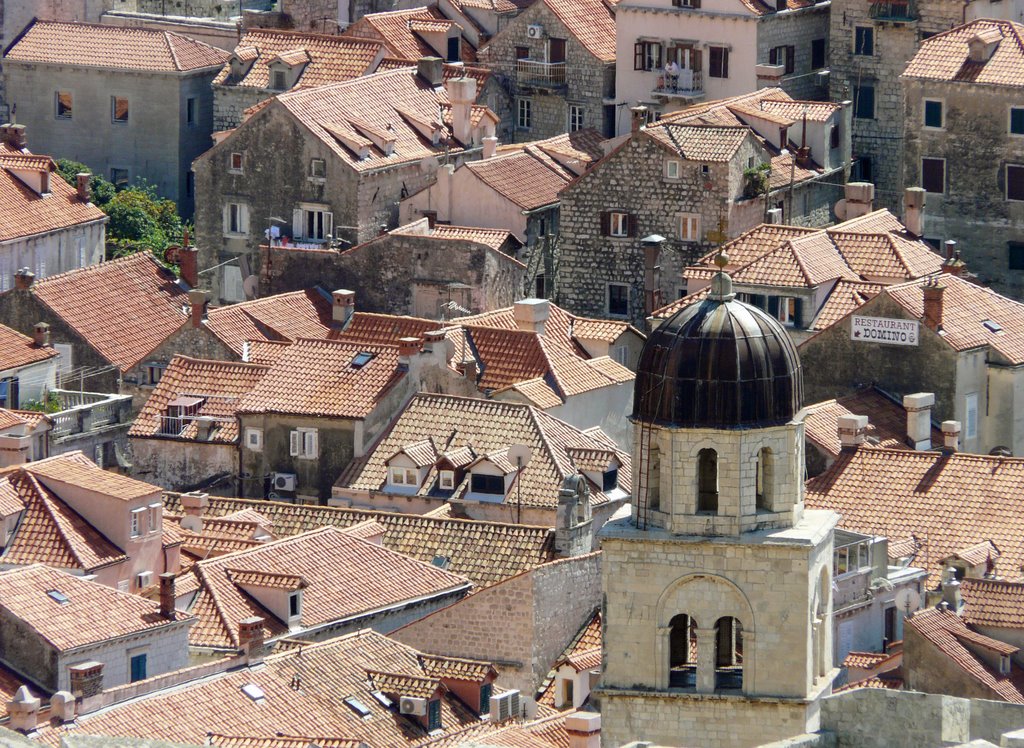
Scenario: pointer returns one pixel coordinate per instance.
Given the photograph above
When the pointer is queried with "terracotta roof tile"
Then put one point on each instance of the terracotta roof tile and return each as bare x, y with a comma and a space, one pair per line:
818, 111
978, 554
562, 326
527, 176
17, 350
945, 57
864, 659
283, 741
73, 469
807, 261
146, 298
10, 501
700, 143
991, 602
122, 47
280, 318
398, 685
846, 296
221, 385
266, 352
903, 548
92, 613
383, 329
587, 639
876, 222
590, 22
9, 419
886, 256
395, 30
26, 212
451, 668
496, 239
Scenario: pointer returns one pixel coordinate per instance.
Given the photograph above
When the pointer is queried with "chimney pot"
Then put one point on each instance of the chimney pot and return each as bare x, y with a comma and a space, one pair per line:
775, 216
14, 135
167, 595
250, 639
951, 436
62, 707
639, 118
23, 279
859, 198
932, 297
531, 314
919, 419
82, 183
23, 710
490, 146
193, 504
461, 95
188, 264
852, 431
344, 306
431, 69
197, 299
913, 210
950, 246
951, 592
41, 335
584, 729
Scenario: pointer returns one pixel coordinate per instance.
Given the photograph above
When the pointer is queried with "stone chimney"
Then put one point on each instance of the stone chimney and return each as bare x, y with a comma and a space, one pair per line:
14, 135
919, 419
951, 436
769, 76
197, 299
250, 639
436, 347
86, 679
23, 279
193, 504
858, 200
490, 146
344, 306
951, 591
638, 118
531, 314
167, 595
431, 69
583, 729
461, 95
775, 216
852, 431
83, 184
41, 335
913, 210
62, 707
23, 710
933, 305
188, 263
204, 428
407, 350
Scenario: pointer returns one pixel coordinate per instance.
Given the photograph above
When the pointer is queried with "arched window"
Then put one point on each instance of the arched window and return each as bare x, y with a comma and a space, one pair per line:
707, 481
765, 478
728, 654
682, 660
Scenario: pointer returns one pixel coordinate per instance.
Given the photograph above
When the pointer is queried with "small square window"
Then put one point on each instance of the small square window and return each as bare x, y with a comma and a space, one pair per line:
65, 105
317, 168
933, 114
280, 82
673, 168
933, 175
1014, 182
1016, 120
618, 299
254, 439
446, 480
119, 109
236, 163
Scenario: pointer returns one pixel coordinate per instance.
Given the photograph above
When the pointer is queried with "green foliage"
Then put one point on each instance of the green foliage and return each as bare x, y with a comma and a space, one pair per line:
102, 190
49, 404
756, 180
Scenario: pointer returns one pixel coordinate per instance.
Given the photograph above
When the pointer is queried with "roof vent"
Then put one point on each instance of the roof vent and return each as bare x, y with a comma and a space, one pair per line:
254, 692
58, 596
361, 359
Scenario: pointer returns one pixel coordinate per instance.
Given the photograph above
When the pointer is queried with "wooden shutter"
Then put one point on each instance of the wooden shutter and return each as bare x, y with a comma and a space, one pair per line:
311, 447
695, 3
773, 56
298, 230
328, 225
606, 223
725, 62
631, 224
638, 56
294, 439
798, 312
790, 58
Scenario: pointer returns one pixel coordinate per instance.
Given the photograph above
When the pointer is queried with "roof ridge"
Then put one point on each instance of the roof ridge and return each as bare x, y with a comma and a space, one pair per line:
173, 52
40, 495
218, 362
204, 584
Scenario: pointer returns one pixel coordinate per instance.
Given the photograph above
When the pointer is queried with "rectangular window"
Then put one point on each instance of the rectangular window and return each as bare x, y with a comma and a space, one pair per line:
788, 310
1014, 182
971, 415
575, 117
610, 480
280, 84
236, 218
1016, 120
447, 480
522, 53
434, 715
618, 299
817, 54
454, 48
524, 114
833, 137
254, 439
618, 224
294, 605
933, 114
119, 109
236, 162
404, 477
65, 105
1015, 255
933, 175
490, 484
136, 522
9, 392
485, 698
718, 62
304, 443
864, 41
317, 224
156, 517
673, 168
647, 56
119, 178
138, 667
864, 102
190, 111
862, 169
689, 227
317, 168
785, 56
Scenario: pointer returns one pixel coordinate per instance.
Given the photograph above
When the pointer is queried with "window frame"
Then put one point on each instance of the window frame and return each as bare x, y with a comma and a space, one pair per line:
1014, 255
236, 219
524, 113
236, 162
942, 114
576, 117
819, 53
114, 98
608, 299
118, 184
862, 34
618, 224
857, 105
688, 218
132, 660
70, 108
1018, 168
313, 168
1009, 121
278, 75
135, 523
192, 111
971, 407
485, 478
254, 445
944, 175
721, 70
643, 57
304, 443
673, 162
446, 480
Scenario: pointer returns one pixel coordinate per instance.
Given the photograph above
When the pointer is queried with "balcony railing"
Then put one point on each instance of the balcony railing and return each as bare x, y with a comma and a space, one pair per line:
535, 73
689, 84
894, 11
82, 412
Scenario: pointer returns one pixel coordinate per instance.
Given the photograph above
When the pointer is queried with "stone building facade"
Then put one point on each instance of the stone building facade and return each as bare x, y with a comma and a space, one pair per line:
972, 145
869, 46
558, 75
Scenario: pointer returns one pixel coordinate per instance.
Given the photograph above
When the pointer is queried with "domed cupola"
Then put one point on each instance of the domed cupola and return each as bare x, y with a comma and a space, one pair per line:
718, 364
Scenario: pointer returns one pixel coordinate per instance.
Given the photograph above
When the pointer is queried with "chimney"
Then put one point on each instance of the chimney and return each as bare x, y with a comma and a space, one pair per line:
86, 679
775, 216
14, 136
769, 76
62, 707
639, 118
461, 95
407, 349
858, 199
204, 428
584, 729
23, 279
490, 146
250, 639
41, 335
193, 504
431, 69
954, 265
950, 246
188, 263
435, 345
469, 369
933, 305
82, 181
167, 595
852, 431
951, 592
919, 419
913, 210
23, 710
531, 314
344, 307
197, 299
951, 436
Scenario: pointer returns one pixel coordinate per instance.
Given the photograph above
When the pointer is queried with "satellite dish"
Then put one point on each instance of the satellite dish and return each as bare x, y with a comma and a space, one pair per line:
908, 600
520, 455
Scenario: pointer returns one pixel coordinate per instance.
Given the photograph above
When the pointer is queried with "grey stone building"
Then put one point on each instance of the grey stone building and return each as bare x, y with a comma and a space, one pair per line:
356, 148
674, 189
964, 144
869, 45
133, 104
557, 58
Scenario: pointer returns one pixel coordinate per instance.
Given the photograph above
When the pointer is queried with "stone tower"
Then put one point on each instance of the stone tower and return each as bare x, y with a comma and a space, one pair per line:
718, 587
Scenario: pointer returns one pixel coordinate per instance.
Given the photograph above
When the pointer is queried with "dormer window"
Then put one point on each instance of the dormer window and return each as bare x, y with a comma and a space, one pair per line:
401, 476
279, 80
610, 479
489, 484
446, 480
295, 604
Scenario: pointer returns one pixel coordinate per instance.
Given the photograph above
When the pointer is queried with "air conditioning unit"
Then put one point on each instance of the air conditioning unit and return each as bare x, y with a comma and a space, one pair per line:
144, 579
535, 31
283, 481
413, 705
506, 706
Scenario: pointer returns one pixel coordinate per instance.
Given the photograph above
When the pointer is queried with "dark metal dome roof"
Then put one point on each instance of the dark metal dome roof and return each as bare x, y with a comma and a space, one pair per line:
720, 364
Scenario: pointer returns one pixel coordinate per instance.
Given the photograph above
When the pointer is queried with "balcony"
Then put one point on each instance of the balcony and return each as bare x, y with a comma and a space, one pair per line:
85, 412
688, 86
540, 74
894, 11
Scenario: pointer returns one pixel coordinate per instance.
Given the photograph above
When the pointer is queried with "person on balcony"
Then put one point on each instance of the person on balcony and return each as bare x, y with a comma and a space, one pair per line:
672, 75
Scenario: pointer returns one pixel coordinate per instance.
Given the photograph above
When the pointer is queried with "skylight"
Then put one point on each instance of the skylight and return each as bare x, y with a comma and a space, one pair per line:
992, 325
383, 700
254, 692
357, 706
441, 562
361, 359
58, 596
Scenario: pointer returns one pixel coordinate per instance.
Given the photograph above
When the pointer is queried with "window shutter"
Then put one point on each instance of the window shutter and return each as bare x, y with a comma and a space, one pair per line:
657, 56
328, 224
227, 218
773, 56
1000, 178
243, 218
790, 58
638, 56
798, 312
631, 224
310, 446
293, 443
725, 62
298, 230
694, 3
606, 223
773, 306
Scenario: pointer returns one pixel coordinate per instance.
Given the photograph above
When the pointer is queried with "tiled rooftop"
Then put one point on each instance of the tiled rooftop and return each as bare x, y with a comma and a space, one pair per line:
945, 57
590, 22
846, 296
219, 384
27, 213
145, 298
991, 602
74, 469
383, 329
279, 318
700, 143
395, 29
17, 350
526, 175
120, 47
585, 643
494, 239
331, 58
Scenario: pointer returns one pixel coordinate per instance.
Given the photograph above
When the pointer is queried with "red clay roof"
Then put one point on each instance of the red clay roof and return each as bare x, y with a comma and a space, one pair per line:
27, 213
17, 350
280, 318
944, 57
998, 603
395, 30
590, 22
386, 329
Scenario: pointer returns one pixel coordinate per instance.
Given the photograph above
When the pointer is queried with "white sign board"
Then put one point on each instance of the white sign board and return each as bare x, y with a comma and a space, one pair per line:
884, 330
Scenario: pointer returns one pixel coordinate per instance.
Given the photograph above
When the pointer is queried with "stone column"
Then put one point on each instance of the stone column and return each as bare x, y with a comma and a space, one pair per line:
661, 654
705, 660
749, 661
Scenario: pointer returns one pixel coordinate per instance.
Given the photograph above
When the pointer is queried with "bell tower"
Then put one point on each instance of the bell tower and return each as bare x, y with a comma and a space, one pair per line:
718, 587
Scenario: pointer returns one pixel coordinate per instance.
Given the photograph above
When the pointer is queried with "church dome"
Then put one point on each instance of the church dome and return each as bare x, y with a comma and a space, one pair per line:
718, 364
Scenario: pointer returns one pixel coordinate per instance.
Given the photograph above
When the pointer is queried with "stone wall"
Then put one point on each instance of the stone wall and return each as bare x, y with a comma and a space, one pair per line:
230, 103
166, 650
522, 624
797, 29
180, 465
